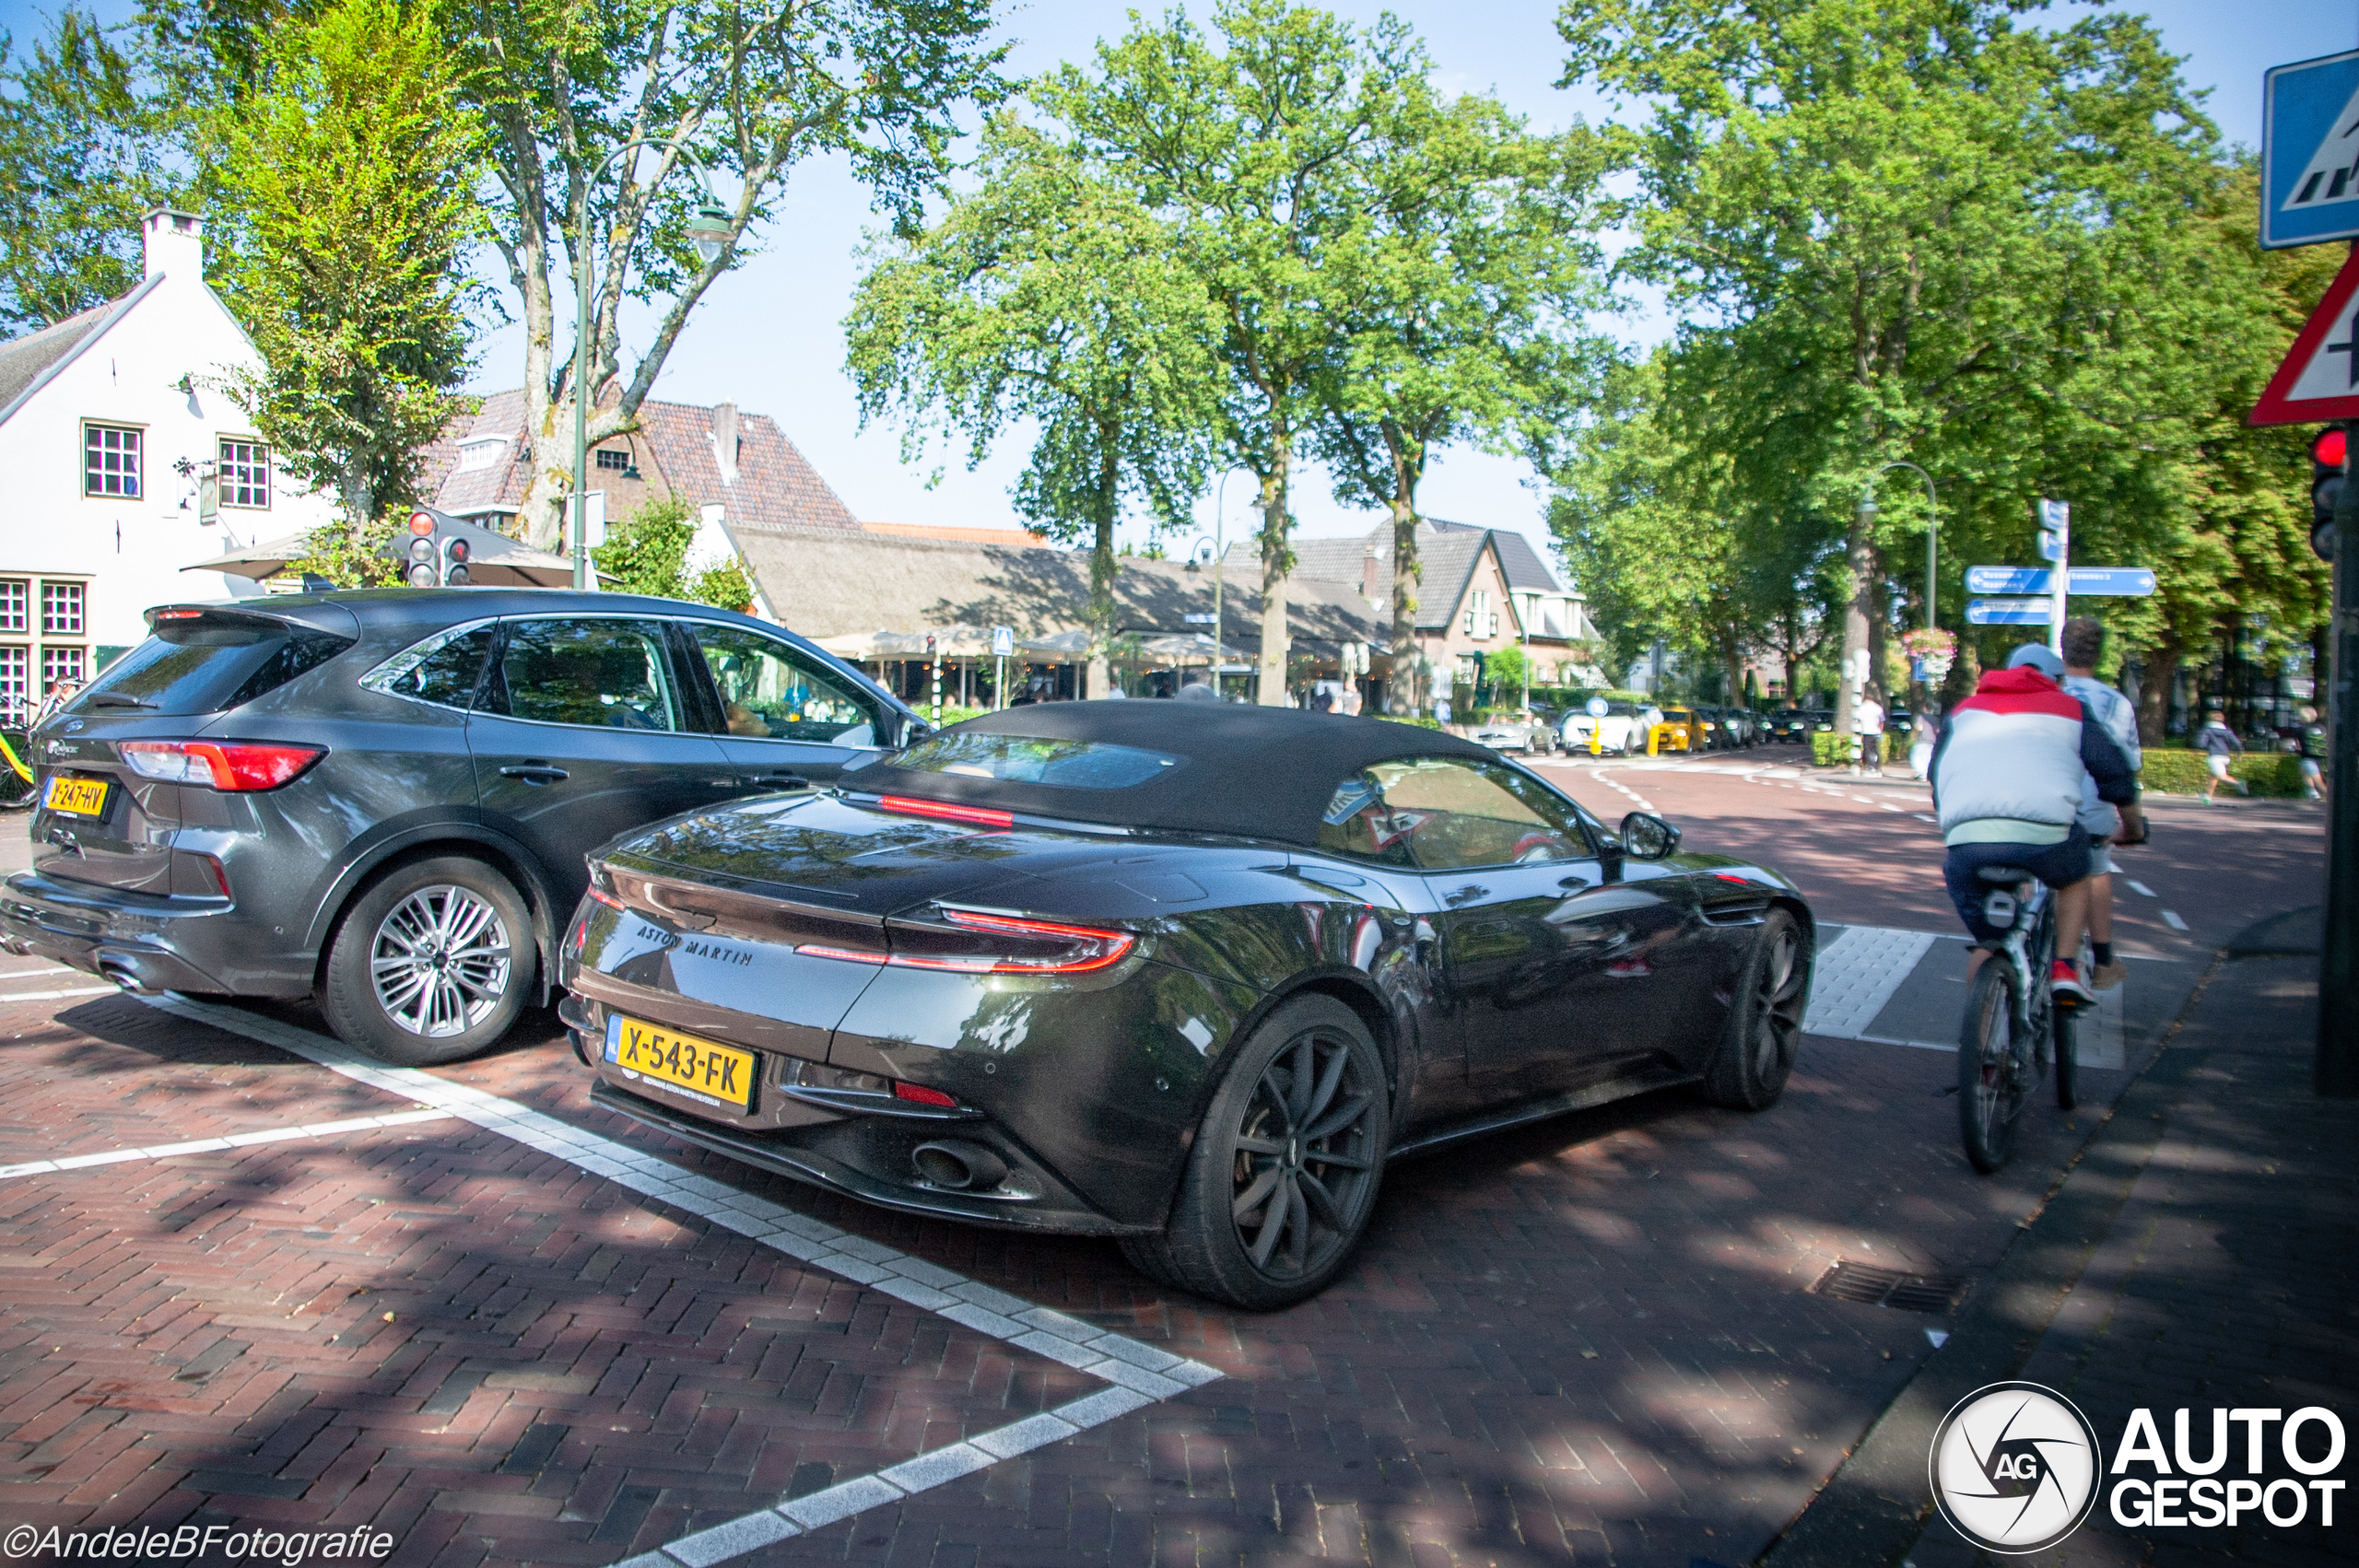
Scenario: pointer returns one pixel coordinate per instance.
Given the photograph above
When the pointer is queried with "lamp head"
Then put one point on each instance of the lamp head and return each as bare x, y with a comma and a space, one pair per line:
711, 230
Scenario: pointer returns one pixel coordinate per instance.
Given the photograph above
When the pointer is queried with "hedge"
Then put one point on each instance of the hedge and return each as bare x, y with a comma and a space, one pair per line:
1828, 749
2173, 771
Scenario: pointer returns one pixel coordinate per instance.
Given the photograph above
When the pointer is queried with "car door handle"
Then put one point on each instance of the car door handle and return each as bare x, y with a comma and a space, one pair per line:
533, 773
1472, 889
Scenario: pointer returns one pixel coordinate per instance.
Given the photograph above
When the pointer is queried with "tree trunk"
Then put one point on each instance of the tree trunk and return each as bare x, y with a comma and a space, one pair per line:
2154, 690
1101, 572
1277, 565
1406, 573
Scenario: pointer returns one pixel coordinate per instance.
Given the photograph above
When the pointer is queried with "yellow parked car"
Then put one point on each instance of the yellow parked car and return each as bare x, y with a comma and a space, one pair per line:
1679, 729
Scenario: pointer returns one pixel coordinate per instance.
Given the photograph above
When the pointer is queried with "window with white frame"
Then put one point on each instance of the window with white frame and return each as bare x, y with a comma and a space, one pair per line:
110, 461
15, 696
61, 662
244, 473
61, 609
1481, 619
15, 604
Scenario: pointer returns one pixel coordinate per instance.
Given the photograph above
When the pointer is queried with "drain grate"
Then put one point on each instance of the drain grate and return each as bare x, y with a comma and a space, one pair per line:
1874, 1286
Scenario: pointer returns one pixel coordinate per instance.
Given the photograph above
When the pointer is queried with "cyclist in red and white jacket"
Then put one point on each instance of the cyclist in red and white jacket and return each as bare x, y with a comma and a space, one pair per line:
2007, 789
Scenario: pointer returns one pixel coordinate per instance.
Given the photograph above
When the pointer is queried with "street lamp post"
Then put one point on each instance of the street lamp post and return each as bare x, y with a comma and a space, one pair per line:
712, 231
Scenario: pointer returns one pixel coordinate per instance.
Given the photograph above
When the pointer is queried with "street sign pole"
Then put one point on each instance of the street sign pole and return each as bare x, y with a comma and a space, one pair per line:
2337, 1072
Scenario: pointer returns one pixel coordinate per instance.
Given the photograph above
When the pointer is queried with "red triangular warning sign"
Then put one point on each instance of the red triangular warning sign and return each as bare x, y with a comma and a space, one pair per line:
2319, 377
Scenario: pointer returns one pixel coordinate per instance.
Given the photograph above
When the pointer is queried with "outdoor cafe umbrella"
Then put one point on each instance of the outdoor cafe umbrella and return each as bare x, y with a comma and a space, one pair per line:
1183, 647
494, 560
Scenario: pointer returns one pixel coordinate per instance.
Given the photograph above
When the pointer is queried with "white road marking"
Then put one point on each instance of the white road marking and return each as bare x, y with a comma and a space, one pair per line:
2170, 919
1887, 804
2139, 887
19, 970
1921, 816
1855, 974
213, 1145
1140, 1374
54, 996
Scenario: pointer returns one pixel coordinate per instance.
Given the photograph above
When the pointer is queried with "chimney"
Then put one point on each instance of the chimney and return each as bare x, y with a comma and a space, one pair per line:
724, 440
174, 242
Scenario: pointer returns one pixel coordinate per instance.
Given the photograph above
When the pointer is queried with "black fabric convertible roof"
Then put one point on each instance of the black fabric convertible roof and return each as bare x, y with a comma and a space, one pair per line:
1261, 772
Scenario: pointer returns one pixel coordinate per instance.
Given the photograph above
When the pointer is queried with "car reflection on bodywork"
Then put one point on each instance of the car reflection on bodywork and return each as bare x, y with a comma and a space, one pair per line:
1182, 978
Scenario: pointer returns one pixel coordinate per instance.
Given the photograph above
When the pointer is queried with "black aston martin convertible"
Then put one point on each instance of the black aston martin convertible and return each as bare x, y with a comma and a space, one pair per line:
1182, 975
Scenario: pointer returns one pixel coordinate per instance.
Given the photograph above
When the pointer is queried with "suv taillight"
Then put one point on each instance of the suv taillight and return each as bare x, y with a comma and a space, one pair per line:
219, 765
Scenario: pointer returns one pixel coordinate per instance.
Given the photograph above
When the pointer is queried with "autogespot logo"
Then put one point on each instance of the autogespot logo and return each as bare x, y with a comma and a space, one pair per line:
2016, 1467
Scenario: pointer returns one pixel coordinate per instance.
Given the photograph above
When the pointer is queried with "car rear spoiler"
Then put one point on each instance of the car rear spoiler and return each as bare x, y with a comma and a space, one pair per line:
260, 615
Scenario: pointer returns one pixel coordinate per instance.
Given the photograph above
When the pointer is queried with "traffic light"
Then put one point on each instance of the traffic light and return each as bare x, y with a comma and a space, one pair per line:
2326, 487
424, 568
454, 562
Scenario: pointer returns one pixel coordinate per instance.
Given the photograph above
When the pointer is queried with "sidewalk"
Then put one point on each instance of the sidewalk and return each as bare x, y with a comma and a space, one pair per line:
2201, 1255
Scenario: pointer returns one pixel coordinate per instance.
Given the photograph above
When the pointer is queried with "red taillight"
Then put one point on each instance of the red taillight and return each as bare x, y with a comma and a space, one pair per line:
600, 895
918, 1095
179, 614
1076, 950
234, 765
1090, 947
979, 815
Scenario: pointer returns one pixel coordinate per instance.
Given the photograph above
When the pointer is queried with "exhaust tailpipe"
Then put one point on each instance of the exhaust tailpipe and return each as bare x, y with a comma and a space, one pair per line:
958, 1166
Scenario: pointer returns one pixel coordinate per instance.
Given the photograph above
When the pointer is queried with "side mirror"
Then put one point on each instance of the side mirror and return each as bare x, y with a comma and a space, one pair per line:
913, 730
1647, 837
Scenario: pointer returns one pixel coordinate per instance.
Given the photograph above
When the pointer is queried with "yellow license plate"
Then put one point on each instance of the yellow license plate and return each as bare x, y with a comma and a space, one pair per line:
708, 1068
83, 797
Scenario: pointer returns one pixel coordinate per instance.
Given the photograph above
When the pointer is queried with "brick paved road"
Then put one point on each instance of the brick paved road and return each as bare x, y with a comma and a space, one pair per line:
1590, 1341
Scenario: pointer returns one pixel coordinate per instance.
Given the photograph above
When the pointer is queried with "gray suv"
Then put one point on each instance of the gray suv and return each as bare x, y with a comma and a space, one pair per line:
383, 798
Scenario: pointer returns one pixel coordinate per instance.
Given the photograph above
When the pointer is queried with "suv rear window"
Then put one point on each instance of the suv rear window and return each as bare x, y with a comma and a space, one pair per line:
208, 663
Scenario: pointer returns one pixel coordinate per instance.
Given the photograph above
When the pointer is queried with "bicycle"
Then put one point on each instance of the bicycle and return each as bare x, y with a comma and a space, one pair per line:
18, 786
2013, 1028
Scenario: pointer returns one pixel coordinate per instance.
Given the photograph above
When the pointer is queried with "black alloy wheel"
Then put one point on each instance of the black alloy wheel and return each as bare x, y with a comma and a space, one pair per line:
1285, 1166
1765, 1028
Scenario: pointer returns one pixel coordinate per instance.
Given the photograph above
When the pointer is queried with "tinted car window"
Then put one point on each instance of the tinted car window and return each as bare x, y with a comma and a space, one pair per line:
1035, 759
1449, 814
444, 669
605, 674
769, 692
208, 663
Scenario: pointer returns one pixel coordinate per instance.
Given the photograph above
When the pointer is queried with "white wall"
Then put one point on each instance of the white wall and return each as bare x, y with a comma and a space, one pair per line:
131, 550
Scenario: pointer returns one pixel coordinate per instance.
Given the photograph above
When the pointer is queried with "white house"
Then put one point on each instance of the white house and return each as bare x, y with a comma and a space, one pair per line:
109, 424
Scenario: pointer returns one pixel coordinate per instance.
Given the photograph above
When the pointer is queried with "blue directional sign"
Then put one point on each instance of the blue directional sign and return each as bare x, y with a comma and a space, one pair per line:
2309, 154
2010, 611
2135, 582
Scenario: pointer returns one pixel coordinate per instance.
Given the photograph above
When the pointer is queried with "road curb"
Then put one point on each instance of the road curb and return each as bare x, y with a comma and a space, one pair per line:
1874, 1507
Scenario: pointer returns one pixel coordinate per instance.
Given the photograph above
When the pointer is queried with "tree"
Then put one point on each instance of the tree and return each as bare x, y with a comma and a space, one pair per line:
1905, 227
1460, 298
1260, 156
647, 553
85, 151
351, 174
1049, 298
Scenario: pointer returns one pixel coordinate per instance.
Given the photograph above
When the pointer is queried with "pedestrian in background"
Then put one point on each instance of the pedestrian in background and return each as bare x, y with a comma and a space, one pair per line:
1441, 710
2084, 646
1922, 737
2313, 745
1867, 733
2216, 741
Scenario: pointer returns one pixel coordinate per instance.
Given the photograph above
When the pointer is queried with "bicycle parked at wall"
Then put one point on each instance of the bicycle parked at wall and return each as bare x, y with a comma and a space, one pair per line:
2014, 1026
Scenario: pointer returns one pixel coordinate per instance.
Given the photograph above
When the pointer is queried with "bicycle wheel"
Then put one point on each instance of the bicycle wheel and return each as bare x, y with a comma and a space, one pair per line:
1989, 1086
2066, 1026
17, 790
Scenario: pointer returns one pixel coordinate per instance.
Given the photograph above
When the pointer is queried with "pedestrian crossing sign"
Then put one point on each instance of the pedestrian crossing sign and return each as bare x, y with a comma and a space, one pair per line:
2309, 151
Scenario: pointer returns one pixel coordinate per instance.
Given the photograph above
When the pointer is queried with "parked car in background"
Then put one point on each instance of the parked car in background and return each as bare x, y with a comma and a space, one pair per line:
383, 799
1678, 730
1788, 725
1514, 734
1184, 980
1620, 731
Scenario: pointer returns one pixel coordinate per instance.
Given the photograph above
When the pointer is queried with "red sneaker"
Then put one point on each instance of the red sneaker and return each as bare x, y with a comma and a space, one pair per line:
2066, 982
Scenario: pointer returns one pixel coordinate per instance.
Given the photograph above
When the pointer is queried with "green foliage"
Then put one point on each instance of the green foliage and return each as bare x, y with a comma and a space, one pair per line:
2175, 771
1419, 720
353, 557
647, 553
1828, 749
1911, 229
1051, 298
1505, 669
85, 148
351, 174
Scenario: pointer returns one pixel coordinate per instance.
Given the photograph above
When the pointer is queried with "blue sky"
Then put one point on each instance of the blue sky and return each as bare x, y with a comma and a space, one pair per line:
769, 336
